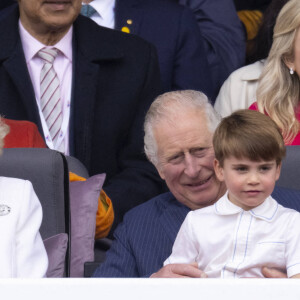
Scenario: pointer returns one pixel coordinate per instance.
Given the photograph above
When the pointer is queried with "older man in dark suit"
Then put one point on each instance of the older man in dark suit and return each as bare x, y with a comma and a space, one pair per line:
86, 87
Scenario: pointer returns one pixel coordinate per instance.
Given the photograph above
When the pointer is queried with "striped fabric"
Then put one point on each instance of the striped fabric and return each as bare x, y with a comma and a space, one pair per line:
50, 93
87, 10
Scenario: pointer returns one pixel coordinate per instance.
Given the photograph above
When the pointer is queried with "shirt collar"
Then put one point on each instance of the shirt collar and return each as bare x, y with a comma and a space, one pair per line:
266, 211
31, 45
253, 71
103, 7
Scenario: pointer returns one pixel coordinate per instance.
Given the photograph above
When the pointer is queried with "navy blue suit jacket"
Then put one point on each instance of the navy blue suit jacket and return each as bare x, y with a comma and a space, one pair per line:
173, 30
145, 238
115, 79
224, 36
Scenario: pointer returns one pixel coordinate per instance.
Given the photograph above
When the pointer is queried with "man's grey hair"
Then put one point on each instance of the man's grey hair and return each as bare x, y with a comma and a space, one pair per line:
167, 106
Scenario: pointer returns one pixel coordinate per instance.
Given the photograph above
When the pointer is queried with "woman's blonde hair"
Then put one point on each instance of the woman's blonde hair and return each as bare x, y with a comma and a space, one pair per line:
278, 91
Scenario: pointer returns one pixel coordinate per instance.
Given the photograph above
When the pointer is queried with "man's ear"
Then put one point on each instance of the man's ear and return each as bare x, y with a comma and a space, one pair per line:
218, 170
160, 171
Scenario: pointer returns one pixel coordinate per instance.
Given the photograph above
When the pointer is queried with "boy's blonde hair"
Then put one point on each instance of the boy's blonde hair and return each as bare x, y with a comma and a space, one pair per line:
248, 134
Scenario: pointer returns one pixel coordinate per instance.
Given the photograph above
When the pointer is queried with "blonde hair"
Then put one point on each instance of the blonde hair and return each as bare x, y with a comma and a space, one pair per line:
167, 106
278, 91
248, 134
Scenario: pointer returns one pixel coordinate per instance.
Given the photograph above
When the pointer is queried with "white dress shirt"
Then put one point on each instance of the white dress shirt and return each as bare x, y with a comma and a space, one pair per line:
105, 15
228, 242
63, 67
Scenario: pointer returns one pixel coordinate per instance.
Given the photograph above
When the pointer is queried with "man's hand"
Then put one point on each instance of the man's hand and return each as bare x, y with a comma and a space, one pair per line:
273, 273
179, 271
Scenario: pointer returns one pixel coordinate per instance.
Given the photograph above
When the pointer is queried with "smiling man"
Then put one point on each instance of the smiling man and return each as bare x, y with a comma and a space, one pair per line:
86, 87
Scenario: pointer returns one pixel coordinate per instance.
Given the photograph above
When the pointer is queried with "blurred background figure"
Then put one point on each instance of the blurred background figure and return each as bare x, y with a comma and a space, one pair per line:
239, 90
179, 44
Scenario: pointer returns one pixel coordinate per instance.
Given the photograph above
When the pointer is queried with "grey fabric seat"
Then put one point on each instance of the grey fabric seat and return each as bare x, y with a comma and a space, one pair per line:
290, 170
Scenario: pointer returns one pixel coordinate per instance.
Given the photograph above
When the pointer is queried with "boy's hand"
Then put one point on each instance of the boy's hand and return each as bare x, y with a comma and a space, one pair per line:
179, 271
273, 273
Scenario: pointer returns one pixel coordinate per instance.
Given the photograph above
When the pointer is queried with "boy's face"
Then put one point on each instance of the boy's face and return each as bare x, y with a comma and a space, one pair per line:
248, 182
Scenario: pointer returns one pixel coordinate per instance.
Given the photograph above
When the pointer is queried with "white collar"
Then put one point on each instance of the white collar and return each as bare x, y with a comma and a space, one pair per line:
266, 211
253, 71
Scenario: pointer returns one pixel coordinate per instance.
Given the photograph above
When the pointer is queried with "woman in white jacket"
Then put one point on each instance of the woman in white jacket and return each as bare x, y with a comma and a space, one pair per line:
22, 252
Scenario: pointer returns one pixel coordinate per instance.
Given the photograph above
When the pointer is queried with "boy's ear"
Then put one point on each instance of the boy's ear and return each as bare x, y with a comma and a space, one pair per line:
278, 170
218, 170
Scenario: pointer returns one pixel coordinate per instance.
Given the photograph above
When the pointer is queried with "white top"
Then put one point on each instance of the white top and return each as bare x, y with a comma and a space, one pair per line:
63, 67
228, 242
22, 252
239, 89
105, 15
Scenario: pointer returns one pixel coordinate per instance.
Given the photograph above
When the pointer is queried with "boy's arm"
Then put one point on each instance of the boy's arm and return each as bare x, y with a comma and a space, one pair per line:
184, 250
296, 276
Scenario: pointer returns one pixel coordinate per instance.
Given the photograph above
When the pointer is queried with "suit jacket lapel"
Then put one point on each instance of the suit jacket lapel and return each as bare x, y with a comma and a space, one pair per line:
128, 14
13, 60
88, 82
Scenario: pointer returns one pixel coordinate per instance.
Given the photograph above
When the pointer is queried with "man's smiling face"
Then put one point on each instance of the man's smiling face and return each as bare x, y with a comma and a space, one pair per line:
185, 159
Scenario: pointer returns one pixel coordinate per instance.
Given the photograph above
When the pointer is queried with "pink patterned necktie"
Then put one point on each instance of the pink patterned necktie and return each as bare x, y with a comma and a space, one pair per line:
50, 93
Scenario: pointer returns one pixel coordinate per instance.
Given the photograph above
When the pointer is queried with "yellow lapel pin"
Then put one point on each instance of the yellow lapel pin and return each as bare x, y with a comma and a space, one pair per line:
125, 28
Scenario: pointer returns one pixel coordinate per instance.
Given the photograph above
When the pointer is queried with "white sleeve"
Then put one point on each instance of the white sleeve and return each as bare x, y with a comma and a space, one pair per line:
292, 251
185, 246
31, 256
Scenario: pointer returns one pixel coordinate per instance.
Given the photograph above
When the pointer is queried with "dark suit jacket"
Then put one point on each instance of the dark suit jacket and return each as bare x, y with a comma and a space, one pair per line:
173, 30
6, 3
145, 239
223, 33
115, 79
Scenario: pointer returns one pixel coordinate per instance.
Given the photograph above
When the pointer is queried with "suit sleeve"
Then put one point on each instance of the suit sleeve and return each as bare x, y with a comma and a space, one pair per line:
191, 65
31, 256
138, 180
223, 34
120, 261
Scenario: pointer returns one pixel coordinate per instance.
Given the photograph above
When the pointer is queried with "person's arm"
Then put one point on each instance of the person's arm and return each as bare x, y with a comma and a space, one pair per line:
273, 273
191, 69
223, 33
182, 261
179, 271
31, 256
120, 260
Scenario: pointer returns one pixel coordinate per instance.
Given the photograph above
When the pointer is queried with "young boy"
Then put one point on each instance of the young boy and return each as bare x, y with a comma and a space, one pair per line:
245, 229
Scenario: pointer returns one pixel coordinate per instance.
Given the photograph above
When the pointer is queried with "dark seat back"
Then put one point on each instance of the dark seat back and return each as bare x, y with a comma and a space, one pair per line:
290, 170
